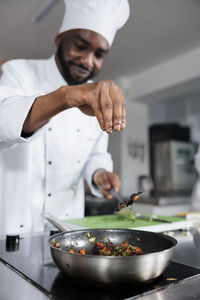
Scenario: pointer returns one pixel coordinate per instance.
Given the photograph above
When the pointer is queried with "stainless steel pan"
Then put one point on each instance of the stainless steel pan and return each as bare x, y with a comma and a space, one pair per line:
157, 248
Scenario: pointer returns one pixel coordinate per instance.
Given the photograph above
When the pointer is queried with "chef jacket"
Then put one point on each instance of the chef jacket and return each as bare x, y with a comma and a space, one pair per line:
44, 172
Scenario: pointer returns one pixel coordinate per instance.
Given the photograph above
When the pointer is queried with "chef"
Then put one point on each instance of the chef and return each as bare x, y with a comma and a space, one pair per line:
55, 122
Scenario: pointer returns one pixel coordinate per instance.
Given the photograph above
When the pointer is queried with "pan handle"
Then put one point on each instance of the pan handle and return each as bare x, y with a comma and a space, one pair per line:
58, 224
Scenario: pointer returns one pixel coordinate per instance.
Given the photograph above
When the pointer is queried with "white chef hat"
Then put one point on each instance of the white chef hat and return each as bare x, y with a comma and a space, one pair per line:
102, 16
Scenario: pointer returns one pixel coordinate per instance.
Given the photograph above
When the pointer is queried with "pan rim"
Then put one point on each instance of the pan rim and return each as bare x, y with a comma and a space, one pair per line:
167, 237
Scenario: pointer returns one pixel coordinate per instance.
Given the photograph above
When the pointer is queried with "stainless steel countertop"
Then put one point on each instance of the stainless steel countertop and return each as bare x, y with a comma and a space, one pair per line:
188, 290
187, 251
14, 286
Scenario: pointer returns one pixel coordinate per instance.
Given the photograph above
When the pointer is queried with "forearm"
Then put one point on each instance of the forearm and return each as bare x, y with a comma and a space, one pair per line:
93, 99
44, 108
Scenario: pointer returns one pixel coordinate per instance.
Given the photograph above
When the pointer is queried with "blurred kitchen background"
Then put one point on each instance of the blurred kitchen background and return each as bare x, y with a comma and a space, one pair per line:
155, 59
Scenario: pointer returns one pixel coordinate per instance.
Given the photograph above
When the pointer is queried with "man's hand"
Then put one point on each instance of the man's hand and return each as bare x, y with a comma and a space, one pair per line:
105, 180
102, 99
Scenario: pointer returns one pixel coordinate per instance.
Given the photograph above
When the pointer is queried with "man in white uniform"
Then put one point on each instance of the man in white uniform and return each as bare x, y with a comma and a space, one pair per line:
54, 122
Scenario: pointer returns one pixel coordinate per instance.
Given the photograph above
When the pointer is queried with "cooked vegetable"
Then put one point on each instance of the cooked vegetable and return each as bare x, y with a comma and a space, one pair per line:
71, 251
92, 239
109, 249
82, 251
57, 245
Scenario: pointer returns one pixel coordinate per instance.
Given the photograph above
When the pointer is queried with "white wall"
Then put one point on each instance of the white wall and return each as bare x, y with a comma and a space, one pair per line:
169, 79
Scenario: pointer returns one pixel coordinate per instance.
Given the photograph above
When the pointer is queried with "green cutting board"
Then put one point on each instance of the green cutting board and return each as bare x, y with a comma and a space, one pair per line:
118, 221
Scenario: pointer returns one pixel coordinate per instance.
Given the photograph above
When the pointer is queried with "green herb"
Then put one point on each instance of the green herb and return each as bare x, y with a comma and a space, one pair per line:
92, 239
53, 242
87, 235
131, 213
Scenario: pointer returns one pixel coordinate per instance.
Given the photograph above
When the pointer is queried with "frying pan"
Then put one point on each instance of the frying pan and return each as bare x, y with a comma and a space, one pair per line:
157, 252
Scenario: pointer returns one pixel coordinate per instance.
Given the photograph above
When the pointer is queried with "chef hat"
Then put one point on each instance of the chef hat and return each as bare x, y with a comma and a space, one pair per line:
103, 16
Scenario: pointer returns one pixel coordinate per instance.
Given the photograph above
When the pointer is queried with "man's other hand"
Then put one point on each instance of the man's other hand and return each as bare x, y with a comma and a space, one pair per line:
105, 180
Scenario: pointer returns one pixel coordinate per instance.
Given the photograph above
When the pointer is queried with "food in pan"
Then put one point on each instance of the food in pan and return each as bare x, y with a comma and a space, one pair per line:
107, 249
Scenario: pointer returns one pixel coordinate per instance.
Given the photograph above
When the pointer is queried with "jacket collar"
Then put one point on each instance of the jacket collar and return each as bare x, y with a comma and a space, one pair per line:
53, 75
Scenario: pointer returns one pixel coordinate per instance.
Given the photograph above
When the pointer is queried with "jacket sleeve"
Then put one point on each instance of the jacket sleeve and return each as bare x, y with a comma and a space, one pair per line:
15, 103
99, 158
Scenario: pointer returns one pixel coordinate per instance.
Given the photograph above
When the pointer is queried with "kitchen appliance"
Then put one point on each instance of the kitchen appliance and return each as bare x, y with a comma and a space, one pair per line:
173, 168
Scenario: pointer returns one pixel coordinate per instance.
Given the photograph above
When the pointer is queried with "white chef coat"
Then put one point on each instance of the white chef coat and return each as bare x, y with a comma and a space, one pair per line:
45, 172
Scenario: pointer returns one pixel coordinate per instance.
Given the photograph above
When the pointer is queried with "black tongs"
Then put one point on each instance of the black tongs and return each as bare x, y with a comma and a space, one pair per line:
121, 201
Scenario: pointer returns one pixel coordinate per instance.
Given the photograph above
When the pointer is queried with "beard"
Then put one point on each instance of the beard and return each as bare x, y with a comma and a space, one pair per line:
65, 68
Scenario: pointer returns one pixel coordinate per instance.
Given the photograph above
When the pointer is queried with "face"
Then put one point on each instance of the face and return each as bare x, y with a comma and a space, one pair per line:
80, 55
